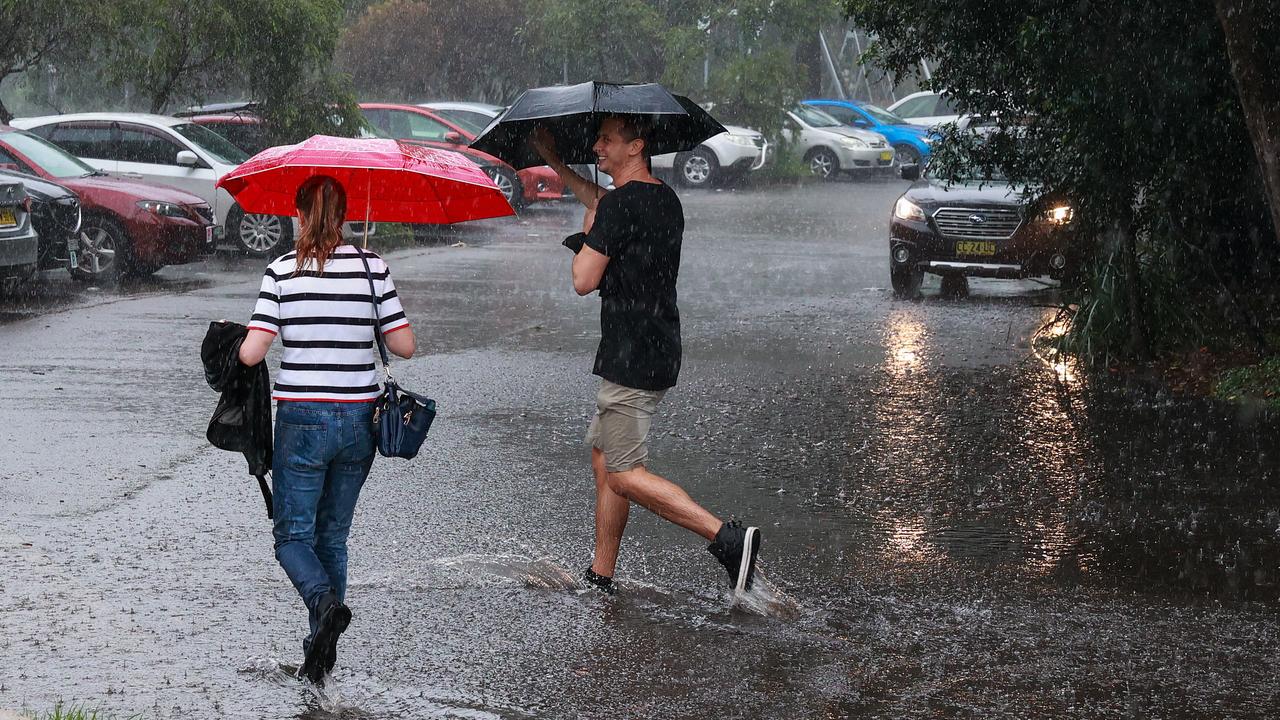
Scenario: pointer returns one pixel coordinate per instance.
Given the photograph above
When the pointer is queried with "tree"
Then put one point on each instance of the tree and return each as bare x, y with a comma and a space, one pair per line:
33, 30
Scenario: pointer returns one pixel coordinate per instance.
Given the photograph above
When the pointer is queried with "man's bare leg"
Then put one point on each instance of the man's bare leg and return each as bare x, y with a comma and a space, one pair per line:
611, 518
661, 497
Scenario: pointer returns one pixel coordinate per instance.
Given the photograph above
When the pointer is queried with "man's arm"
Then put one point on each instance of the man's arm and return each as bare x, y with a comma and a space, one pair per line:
588, 269
587, 192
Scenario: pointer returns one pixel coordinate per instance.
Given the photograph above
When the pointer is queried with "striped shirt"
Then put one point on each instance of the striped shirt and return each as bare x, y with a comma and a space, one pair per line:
325, 322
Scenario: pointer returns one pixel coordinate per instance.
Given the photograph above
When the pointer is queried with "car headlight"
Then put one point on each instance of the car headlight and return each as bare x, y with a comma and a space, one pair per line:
904, 209
1059, 215
743, 140
163, 208
853, 143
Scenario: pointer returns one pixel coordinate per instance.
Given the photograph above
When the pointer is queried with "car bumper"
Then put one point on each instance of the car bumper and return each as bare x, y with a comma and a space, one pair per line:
19, 250
865, 159
1033, 250
542, 183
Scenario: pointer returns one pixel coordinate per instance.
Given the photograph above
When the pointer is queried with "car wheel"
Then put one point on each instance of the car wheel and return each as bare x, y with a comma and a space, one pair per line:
904, 154
105, 250
508, 184
823, 163
955, 286
906, 281
698, 169
260, 235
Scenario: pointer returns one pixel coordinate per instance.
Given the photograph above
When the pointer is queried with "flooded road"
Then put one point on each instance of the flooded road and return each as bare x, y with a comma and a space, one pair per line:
954, 527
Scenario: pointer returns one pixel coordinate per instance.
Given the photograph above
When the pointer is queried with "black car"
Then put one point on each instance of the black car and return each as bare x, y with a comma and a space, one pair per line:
979, 228
55, 213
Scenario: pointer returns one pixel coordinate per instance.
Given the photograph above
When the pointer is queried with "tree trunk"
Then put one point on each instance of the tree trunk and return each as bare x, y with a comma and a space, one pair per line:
5, 115
1139, 343
1251, 45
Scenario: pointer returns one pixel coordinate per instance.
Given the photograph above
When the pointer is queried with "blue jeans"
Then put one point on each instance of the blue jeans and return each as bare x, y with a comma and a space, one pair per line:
323, 452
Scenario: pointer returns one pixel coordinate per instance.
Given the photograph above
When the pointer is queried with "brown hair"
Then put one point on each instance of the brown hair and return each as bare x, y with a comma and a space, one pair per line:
322, 208
634, 127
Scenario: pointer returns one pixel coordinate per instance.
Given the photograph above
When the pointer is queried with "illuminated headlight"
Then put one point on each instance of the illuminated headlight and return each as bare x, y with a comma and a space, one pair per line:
163, 208
907, 210
853, 143
1060, 215
743, 140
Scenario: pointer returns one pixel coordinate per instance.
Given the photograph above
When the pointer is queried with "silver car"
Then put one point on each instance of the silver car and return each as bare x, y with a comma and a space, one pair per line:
19, 244
829, 147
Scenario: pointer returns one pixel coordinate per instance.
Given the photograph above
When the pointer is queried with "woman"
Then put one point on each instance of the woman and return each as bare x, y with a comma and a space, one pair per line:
317, 299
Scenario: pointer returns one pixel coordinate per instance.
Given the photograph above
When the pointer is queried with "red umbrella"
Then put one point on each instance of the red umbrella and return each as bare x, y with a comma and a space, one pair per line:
385, 180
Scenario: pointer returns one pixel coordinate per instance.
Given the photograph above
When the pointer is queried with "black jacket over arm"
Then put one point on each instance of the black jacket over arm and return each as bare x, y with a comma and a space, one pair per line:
242, 420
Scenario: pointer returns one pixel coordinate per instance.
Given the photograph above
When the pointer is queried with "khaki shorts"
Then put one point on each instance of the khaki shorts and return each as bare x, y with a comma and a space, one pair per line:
621, 424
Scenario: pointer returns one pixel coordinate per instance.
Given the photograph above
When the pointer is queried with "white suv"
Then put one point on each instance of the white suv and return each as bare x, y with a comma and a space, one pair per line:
720, 159
170, 151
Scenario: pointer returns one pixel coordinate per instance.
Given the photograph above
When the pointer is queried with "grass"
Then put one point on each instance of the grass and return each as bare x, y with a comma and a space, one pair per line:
71, 712
1260, 382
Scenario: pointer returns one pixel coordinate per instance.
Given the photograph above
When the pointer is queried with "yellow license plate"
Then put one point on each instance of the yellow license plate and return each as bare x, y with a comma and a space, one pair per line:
973, 247
7, 217
886, 156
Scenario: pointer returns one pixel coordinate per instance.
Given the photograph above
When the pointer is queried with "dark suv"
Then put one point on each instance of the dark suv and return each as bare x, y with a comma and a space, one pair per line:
979, 228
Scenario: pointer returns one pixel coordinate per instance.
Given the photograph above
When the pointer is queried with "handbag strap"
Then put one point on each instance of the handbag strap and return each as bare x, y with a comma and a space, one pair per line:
377, 315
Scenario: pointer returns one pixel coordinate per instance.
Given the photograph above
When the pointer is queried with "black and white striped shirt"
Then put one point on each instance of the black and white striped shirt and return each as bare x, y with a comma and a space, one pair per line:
325, 322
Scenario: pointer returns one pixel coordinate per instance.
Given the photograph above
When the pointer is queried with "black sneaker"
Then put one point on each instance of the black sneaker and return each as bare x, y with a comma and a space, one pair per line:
736, 548
323, 653
599, 582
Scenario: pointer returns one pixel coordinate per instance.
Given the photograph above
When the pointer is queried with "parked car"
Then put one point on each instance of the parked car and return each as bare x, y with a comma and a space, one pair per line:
829, 147
19, 250
976, 227
926, 108
719, 160
910, 143
55, 213
128, 226
163, 150
425, 126
475, 117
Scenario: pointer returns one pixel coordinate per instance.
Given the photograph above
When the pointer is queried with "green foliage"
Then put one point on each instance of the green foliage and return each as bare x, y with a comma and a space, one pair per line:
33, 31
1129, 109
1259, 382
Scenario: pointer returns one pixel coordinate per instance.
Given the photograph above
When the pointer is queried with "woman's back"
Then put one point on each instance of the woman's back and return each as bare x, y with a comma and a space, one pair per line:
325, 321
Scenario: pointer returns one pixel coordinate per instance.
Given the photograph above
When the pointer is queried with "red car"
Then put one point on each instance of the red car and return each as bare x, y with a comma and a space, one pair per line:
128, 227
424, 126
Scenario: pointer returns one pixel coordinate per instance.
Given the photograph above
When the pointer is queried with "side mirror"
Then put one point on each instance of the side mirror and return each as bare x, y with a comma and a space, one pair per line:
186, 158
910, 171
453, 137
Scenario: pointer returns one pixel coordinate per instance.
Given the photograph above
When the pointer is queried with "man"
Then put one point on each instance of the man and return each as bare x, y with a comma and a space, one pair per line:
629, 250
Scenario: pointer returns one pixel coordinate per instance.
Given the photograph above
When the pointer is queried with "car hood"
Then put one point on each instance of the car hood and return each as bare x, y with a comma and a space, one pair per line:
740, 130
38, 187
865, 136
934, 193
136, 190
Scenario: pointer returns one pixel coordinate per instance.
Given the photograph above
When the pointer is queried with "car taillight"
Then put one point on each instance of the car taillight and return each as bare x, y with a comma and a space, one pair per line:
26, 204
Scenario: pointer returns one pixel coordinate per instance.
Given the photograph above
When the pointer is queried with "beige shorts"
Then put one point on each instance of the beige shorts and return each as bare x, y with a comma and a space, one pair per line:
621, 424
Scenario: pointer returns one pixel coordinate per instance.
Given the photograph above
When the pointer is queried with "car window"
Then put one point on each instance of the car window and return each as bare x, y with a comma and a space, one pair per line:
412, 126
218, 147
815, 118
249, 137
841, 113
51, 158
882, 116
85, 141
9, 161
378, 119
945, 106
143, 145
469, 120
918, 107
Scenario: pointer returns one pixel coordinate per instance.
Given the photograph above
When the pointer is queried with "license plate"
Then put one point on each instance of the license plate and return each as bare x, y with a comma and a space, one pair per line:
208, 235
7, 217
886, 156
973, 247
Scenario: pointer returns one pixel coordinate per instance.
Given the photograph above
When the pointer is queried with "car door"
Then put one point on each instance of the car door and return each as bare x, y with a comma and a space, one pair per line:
151, 155
94, 142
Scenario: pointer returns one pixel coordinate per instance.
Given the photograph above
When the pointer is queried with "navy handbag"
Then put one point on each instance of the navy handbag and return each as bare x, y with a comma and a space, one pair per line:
401, 418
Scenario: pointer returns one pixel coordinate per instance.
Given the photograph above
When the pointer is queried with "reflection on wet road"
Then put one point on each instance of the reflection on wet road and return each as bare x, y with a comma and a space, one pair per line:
953, 525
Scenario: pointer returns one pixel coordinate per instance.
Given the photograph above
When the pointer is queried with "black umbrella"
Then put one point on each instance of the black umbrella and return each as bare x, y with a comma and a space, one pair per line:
573, 113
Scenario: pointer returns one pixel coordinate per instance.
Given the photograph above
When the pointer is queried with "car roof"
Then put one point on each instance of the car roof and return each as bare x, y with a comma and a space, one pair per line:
485, 108
142, 118
230, 118
217, 108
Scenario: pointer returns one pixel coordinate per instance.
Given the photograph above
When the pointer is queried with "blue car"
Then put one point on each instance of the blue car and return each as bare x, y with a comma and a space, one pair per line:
910, 142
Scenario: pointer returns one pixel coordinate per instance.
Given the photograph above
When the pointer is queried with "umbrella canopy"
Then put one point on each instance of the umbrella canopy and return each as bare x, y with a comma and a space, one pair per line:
385, 180
573, 113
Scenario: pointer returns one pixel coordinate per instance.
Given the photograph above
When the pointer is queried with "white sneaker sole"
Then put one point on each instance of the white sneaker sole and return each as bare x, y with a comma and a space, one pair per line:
748, 545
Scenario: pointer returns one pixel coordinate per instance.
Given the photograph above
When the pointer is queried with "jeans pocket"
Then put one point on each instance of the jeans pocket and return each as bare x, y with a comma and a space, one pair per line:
301, 445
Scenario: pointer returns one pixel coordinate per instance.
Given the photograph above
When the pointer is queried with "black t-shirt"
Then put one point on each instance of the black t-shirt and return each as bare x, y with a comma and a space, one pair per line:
639, 226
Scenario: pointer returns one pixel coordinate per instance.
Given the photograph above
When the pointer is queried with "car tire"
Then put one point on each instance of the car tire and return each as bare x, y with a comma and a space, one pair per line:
508, 184
955, 286
106, 250
823, 163
260, 235
906, 281
905, 154
698, 169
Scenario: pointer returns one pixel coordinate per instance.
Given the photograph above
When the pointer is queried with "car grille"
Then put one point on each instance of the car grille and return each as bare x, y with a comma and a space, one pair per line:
204, 211
879, 144
66, 212
758, 141
977, 223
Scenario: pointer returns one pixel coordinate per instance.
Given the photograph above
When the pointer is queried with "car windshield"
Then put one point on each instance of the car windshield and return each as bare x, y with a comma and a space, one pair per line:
967, 173
815, 118
218, 147
49, 157
882, 116
469, 120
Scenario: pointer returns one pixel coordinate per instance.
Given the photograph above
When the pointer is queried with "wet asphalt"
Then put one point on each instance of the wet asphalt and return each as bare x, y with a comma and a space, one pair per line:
955, 526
